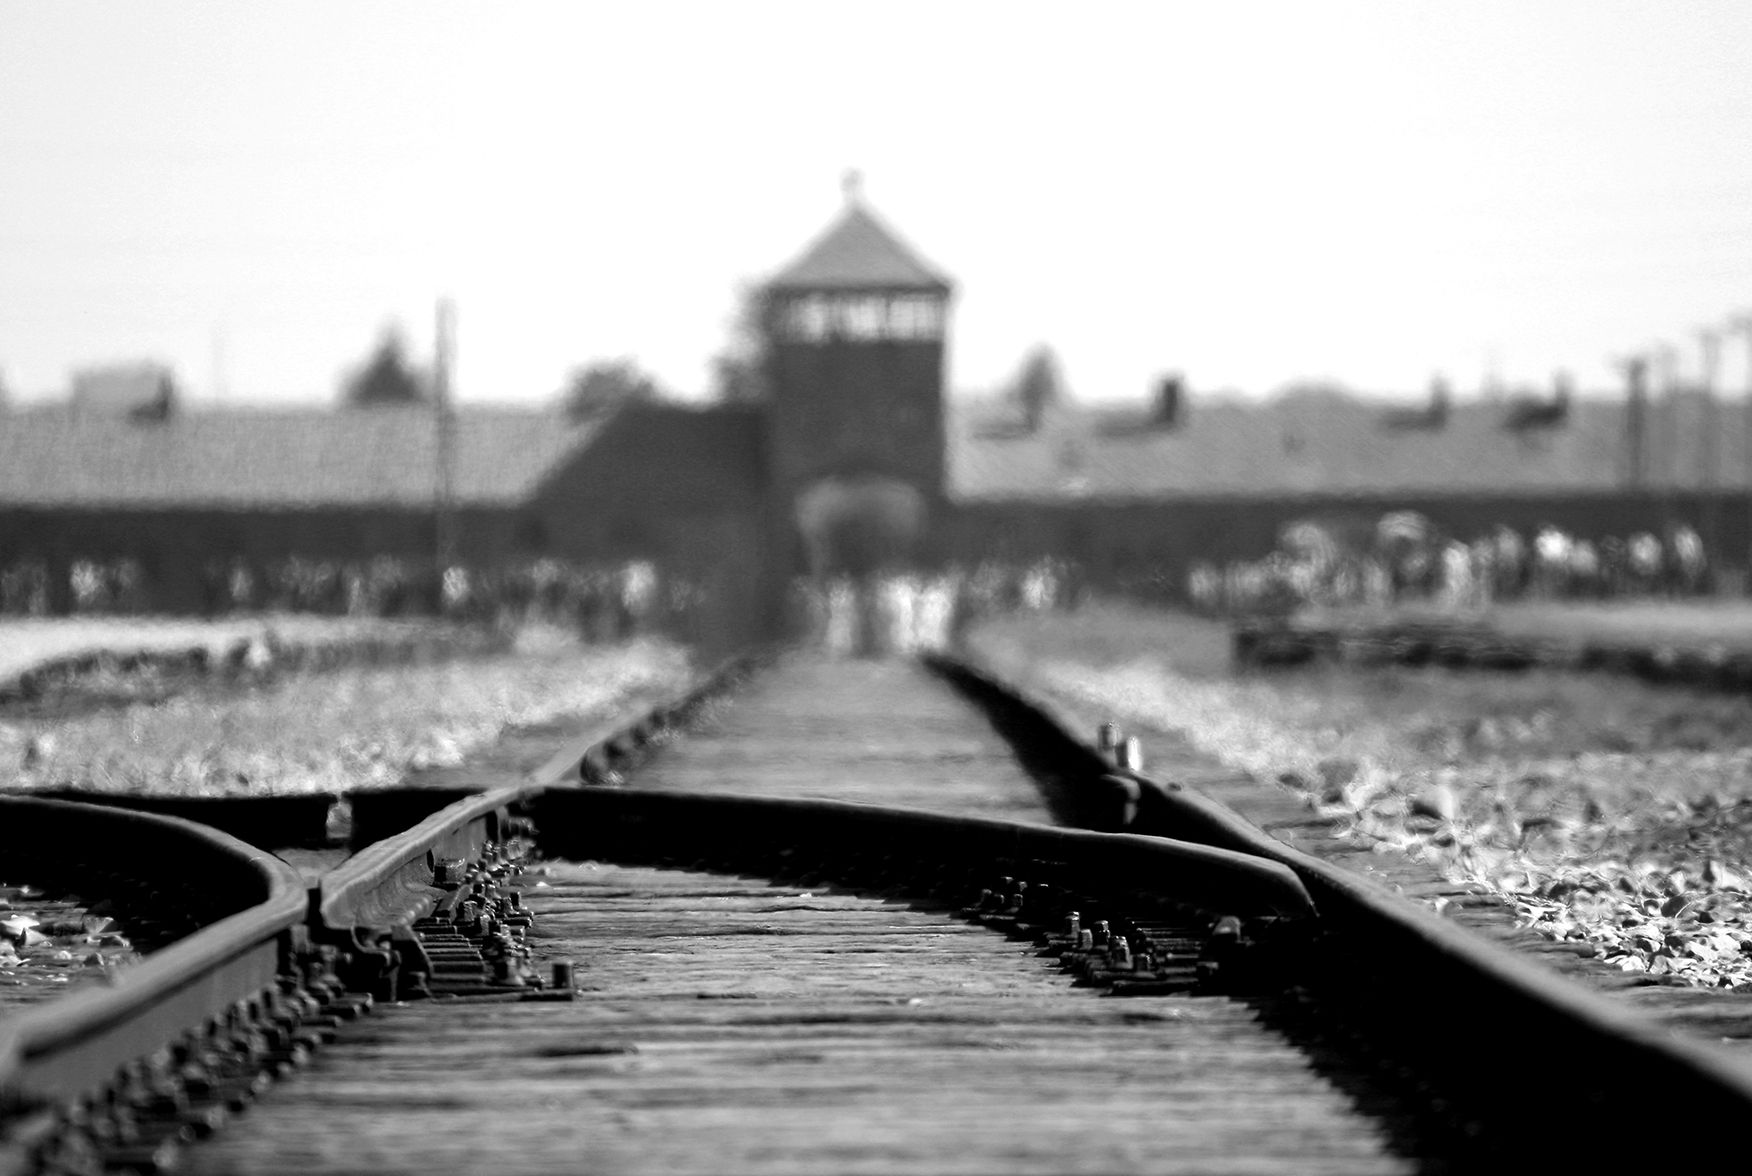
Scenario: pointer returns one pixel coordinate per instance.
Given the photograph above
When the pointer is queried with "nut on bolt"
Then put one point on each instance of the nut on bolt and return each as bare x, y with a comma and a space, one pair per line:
1226, 929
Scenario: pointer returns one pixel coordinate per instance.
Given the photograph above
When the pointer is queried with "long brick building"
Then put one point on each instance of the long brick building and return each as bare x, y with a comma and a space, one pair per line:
857, 458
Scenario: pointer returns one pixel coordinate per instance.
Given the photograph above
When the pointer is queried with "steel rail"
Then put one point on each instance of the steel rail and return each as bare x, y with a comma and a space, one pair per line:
1466, 646
366, 907
281, 822
1478, 990
596, 821
591, 757
203, 660
74, 1045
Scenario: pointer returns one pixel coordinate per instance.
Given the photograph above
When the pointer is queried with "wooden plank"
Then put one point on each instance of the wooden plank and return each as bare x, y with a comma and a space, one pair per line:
731, 1026
886, 732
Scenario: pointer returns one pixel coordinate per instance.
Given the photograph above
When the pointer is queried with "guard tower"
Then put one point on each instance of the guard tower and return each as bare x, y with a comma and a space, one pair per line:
855, 333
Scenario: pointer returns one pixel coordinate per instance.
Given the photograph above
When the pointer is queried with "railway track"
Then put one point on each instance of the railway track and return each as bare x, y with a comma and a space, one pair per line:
1461, 645
86, 680
121, 1074
687, 975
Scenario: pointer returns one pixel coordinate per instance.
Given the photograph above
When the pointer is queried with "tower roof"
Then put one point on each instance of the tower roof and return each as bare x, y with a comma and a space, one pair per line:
859, 252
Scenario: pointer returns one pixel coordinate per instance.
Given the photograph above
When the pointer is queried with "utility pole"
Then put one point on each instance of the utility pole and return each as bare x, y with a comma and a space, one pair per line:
1665, 361
1636, 415
444, 487
1710, 342
1492, 385
1742, 324
219, 388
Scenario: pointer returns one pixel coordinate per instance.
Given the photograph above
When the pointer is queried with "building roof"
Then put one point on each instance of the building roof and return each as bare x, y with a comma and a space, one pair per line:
665, 456
376, 457
859, 252
353, 457
1327, 446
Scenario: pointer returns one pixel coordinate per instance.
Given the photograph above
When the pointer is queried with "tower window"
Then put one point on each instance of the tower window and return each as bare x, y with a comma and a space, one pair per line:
814, 318
915, 318
805, 318
862, 318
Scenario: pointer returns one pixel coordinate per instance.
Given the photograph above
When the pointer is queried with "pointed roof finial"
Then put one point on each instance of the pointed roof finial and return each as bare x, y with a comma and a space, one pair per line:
858, 253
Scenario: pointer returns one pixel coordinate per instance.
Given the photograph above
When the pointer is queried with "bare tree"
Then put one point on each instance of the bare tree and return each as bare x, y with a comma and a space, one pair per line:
607, 384
739, 371
1038, 388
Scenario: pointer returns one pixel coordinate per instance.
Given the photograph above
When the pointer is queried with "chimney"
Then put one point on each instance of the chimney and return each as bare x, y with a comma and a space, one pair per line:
1170, 402
1528, 413
143, 391
158, 407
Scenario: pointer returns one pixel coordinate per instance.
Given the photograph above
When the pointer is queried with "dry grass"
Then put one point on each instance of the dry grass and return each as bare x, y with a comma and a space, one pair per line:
1603, 809
353, 728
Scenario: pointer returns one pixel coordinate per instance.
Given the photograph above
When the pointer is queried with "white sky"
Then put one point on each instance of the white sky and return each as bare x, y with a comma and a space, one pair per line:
1249, 193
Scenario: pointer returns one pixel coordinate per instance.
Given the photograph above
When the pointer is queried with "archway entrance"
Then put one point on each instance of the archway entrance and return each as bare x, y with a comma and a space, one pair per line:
860, 525
861, 535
